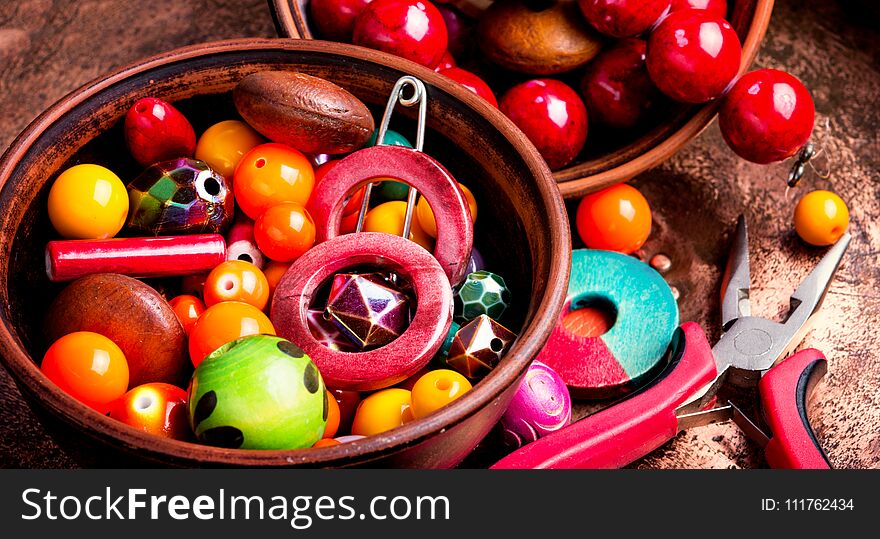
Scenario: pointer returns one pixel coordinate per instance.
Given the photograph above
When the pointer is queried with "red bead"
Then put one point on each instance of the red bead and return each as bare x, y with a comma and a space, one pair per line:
334, 19
616, 86
411, 29
693, 56
472, 83
622, 18
715, 7
552, 115
767, 116
155, 131
446, 62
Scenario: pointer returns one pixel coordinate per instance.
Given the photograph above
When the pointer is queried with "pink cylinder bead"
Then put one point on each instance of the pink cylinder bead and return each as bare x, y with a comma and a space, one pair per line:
540, 406
241, 245
163, 256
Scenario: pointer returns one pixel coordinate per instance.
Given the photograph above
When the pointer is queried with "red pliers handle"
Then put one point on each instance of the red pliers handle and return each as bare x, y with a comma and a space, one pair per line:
620, 434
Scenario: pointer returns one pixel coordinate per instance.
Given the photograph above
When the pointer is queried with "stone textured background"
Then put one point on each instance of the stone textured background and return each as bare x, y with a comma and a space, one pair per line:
48, 48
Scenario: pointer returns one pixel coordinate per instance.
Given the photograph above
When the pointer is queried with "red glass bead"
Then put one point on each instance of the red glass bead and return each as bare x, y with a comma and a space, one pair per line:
446, 62
552, 115
472, 83
411, 29
622, 18
348, 402
715, 7
156, 131
767, 116
334, 19
693, 56
616, 87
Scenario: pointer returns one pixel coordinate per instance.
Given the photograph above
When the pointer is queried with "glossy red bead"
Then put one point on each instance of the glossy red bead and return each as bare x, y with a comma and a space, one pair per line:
446, 62
156, 131
552, 115
767, 116
622, 18
334, 19
411, 29
616, 87
693, 56
715, 7
472, 83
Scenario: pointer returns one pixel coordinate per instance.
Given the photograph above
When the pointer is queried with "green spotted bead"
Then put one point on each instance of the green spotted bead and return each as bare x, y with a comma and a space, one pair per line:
482, 292
258, 392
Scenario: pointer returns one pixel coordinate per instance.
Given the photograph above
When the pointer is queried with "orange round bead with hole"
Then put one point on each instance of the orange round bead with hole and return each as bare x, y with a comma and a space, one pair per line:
225, 322
270, 174
437, 389
237, 280
614, 219
155, 408
188, 309
821, 217
284, 232
89, 367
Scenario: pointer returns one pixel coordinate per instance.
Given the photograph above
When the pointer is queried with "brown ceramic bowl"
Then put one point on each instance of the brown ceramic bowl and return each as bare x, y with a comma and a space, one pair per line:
522, 230
617, 160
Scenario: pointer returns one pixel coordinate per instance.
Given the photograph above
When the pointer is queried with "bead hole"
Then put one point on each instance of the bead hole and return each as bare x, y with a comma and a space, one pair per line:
228, 285
140, 108
443, 384
590, 316
245, 257
260, 163
496, 344
212, 186
143, 403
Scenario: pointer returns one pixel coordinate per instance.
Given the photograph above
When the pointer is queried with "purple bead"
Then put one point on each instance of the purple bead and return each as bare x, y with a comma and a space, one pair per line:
367, 309
540, 406
475, 262
325, 332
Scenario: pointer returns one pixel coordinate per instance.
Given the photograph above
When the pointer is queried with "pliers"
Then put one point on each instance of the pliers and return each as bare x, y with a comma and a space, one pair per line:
687, 392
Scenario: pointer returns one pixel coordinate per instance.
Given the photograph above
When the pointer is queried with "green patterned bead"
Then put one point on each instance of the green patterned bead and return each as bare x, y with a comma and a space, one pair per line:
258, 392
482, 292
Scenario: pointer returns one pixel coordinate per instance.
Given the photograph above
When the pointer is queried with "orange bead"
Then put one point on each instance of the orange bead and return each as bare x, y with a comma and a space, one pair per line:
225, 322
89, 367
274, 271
614, 219
284, 232
326, 442
270, 174
425, 214
821, 218
188, 309
237, 280
332, 416
156, 408
437, 389
382, 411
348, 224
411, 381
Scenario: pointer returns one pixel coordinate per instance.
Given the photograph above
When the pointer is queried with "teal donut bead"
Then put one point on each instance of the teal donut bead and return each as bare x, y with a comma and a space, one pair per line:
258, 392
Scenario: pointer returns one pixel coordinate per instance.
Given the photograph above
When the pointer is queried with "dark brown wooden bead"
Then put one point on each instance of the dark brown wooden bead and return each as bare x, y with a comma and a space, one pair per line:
309, 113
132, 315
537, 37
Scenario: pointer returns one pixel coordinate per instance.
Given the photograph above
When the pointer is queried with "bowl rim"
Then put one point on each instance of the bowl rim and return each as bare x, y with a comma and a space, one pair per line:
31, 380
289, 23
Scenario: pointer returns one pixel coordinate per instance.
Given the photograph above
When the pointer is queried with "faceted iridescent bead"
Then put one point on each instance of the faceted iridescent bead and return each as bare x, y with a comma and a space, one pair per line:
179, 196
478, 346
482, 292
325, 332
367, 309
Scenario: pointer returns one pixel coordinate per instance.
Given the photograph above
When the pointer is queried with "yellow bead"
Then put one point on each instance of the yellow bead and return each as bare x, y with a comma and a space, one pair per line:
382, 411
88, 202
388, 217
821, 218
426, 215
437, 389
223, 144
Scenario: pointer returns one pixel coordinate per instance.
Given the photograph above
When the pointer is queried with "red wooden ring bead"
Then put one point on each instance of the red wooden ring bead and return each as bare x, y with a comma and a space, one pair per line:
393, 362
455, 230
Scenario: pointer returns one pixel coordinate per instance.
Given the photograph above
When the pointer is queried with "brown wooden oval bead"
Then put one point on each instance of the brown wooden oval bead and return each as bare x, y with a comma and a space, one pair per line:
132, 315
309, 113
539, 37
